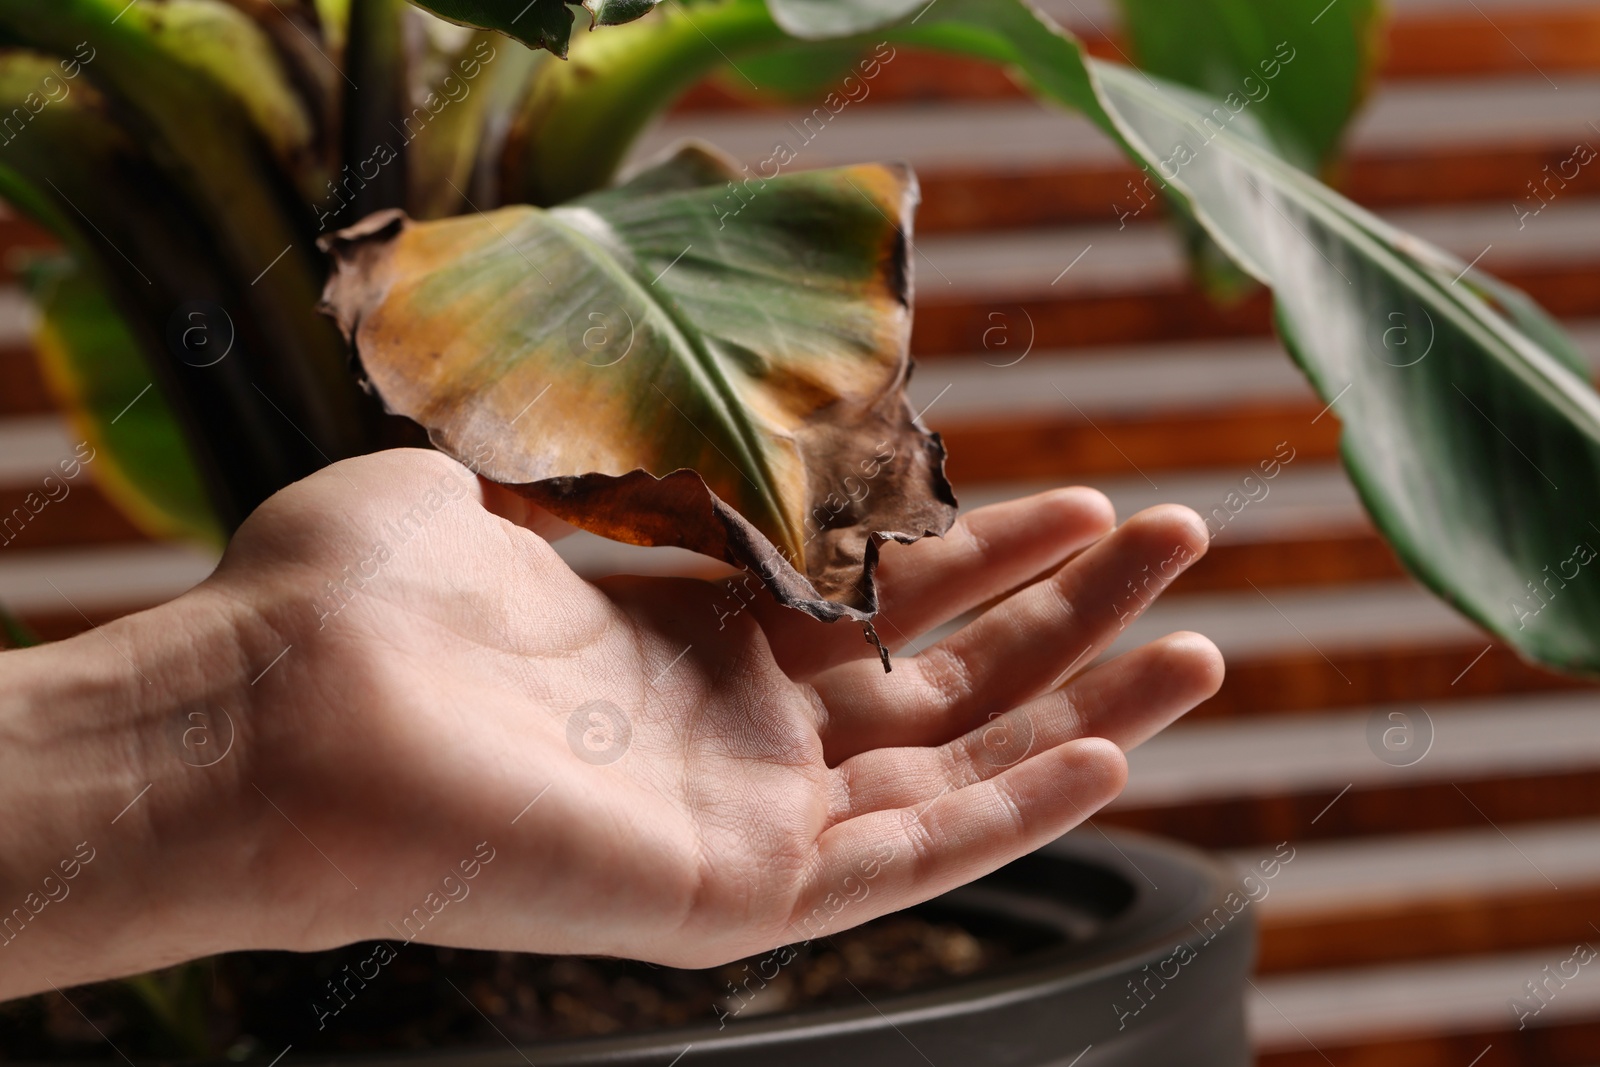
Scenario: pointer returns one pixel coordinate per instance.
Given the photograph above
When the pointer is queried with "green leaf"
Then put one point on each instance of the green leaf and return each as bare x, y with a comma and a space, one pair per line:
1477, 455
1301, 67
796, 72
581, 117
616, 12
211, 159
94, 365
178, 1000
461, 93
543, 24
676, 361
371, 131
822, 19
1475, 447
208, 40
78, 171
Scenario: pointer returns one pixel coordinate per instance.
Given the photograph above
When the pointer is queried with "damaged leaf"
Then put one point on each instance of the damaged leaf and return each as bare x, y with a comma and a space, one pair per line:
684, 360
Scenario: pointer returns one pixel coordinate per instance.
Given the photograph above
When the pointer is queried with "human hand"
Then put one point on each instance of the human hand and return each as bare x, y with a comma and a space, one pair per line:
470, 745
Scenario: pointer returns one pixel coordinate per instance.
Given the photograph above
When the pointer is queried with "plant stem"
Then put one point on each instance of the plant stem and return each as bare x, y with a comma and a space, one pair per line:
584, 114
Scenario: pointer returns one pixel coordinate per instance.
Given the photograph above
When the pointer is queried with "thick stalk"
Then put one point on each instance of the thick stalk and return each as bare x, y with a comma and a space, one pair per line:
372, 114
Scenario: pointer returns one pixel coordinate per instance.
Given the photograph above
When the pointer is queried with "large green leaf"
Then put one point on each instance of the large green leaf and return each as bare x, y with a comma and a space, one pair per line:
372, 133
1470, 430
76, 170
308, 39
1476, 449
671, 363
1474, 446
536, 23
98, 373
1301, 67
208, 118
461, 88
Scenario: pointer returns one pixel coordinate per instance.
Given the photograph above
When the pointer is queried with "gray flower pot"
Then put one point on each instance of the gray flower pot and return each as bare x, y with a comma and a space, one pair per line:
1152, 946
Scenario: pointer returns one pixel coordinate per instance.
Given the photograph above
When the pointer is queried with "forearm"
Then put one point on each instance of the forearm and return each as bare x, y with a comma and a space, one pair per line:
122, 847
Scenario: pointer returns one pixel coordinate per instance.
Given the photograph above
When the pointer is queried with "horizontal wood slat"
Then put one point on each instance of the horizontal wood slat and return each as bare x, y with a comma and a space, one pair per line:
1560, 1045
22, 388
1324, 814
997, 196
1300, 562
1466, 924
85, 516
1000, 197
1067, 448
1309, 682
1168, 313
1507, 41
1181, 312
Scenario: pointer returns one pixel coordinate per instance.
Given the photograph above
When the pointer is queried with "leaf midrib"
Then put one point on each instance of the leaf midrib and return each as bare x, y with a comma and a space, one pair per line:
697, 360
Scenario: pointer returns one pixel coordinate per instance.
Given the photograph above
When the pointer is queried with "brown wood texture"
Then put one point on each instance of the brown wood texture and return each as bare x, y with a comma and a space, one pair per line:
1307, 682
1531, 41
22, 388
85, 516
1465, 924
1057, 448
1367, 811
1305, 562
1183, 312
1561, 1045
1158, 313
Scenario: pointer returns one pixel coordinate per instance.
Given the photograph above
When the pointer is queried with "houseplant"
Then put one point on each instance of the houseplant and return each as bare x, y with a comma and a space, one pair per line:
1232, 175
253, 123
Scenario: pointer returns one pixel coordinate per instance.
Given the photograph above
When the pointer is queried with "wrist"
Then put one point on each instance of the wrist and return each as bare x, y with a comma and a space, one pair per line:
126, 750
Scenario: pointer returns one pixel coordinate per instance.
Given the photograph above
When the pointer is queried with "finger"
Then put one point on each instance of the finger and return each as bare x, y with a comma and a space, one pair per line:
889, 860
1027, 645
928, 582
1125, 701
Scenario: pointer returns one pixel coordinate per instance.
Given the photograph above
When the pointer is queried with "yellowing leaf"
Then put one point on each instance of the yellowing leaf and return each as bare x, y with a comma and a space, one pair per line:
691, 359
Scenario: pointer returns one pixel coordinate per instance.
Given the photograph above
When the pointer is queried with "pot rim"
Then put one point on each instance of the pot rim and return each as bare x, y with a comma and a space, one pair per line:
1148, 928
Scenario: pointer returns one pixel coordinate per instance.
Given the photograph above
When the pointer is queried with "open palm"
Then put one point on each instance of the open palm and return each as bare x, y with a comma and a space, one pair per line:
642, 767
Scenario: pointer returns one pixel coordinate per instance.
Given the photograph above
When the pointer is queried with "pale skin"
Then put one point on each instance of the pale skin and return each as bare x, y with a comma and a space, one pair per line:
773, 767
